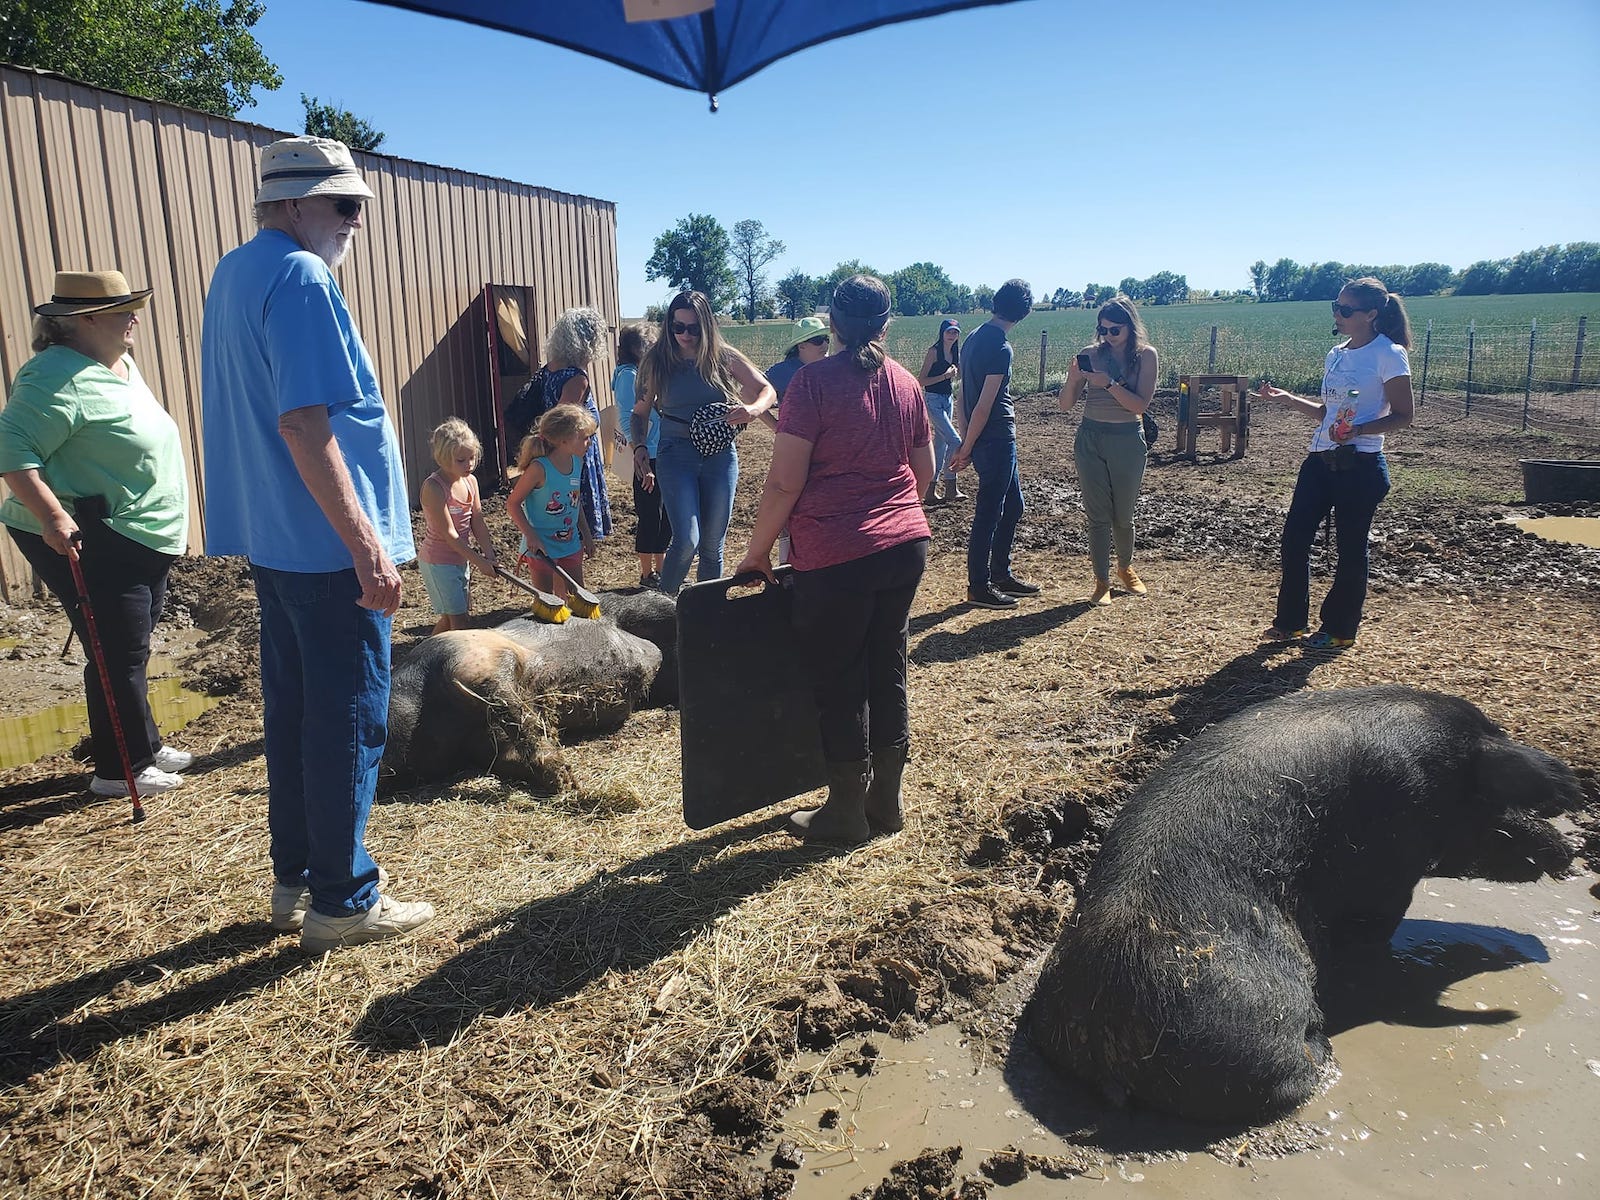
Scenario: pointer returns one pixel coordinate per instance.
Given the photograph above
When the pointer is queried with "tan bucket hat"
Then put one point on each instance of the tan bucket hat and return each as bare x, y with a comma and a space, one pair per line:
79, 292
297, 167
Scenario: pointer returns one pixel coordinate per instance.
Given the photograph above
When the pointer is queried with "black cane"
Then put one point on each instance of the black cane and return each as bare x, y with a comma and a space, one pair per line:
93, 639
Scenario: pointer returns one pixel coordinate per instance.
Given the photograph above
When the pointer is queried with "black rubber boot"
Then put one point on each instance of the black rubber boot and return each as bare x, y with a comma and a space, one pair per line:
884, 812
843, 819
931, 497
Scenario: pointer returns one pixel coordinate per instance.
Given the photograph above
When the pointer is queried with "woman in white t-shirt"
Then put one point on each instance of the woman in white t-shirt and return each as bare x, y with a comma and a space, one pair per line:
1366, 392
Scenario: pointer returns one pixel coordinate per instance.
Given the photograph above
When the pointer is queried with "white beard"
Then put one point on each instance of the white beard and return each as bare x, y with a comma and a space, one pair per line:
331, 250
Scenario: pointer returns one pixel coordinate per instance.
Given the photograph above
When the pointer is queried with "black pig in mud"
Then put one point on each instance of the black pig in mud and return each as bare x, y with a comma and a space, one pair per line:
495, 699
1186, 979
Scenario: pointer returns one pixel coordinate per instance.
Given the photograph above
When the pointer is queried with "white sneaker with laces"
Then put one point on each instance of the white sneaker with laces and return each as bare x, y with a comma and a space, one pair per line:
149, 781
175, 761
385, 919
291, 902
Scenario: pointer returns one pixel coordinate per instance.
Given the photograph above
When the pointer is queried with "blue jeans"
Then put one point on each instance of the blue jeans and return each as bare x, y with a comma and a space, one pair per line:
698, 493
325, 701
1353, 492
946, 441
995, 513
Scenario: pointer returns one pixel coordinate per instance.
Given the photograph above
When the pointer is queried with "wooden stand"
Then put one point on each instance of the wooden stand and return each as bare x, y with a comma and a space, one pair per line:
1233, 421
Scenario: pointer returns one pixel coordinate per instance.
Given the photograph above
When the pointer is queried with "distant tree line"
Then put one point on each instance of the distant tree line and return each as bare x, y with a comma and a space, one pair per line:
1574, 267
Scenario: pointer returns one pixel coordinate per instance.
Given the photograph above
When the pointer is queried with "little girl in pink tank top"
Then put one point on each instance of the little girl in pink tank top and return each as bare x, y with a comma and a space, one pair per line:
453, 512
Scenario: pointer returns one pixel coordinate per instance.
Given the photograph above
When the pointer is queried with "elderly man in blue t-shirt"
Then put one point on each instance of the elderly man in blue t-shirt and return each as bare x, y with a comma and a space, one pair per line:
303, 478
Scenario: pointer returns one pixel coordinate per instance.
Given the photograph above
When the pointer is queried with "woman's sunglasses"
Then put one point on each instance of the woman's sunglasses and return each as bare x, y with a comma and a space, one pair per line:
820, 340
680, 328
347, 207
1344, 310
1109, 330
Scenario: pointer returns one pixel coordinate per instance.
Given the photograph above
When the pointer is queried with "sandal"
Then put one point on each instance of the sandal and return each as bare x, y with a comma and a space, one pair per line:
1323, 640
1274, 634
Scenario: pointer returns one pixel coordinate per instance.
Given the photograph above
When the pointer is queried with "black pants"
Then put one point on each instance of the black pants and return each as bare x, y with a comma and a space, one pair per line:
127, 586
654, 534
853, 620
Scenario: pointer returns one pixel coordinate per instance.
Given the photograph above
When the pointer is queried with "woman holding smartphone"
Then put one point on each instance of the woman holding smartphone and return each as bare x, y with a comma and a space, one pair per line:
1115, 377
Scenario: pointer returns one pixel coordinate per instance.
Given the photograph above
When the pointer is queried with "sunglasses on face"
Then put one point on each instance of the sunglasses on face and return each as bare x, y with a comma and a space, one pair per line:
679, 327
1344, 310
821, 340
1109, 330
347, 207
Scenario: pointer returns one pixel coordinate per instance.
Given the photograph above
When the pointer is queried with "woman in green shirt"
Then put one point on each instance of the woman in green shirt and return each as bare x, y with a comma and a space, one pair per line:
95, 471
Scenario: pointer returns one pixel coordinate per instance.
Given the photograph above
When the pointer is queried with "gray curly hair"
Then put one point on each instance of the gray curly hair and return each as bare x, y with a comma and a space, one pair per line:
576, 337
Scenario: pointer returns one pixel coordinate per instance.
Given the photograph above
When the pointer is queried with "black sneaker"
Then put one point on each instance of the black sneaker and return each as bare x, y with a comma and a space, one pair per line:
989, 598
1012, 586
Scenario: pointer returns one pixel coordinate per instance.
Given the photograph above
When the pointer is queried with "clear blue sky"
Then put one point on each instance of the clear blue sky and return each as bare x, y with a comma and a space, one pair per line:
1061, 141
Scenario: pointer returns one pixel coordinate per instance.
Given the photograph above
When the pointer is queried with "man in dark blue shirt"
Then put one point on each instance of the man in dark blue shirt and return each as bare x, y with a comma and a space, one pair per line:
990, 445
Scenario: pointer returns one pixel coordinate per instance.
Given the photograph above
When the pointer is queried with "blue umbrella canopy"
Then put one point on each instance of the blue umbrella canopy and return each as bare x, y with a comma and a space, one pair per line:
703, 45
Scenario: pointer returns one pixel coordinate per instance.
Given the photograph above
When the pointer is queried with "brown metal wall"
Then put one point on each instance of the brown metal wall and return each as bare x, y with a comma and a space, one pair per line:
98, 180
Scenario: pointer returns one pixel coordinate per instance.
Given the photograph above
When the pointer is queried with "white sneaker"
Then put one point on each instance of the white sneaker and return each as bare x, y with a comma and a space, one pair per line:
149, 781
176, 761
385, 919
291, 902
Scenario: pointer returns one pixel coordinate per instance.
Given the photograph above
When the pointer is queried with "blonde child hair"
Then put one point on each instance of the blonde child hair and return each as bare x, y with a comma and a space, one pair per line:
450, 436
560, 423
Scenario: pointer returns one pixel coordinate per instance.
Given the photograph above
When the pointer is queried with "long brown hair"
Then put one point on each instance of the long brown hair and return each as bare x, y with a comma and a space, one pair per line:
1120, 310
1391, 320
860, 316
711, 356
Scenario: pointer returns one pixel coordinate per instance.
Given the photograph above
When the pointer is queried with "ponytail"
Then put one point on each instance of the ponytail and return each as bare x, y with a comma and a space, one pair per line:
1391, 320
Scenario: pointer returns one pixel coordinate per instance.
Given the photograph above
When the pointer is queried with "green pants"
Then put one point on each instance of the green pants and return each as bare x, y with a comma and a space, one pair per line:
1110, 457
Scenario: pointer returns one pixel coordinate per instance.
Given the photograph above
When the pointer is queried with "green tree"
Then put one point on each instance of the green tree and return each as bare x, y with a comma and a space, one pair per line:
960, 299
843, 271
1483, 278
198, 53
921, 288
983, 297
693, 256
1282, 278
1258, 278
796, 294
1165, 288
752, 249
331, 121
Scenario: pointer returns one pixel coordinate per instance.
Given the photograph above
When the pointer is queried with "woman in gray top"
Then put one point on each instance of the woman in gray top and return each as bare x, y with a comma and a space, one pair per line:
1115, 377
689, 369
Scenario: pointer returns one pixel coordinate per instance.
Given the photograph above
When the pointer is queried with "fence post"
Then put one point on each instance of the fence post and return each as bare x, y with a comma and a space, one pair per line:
1577, 354
1211, 361
1044, 346
1427, 345
1472, 336
1527, 379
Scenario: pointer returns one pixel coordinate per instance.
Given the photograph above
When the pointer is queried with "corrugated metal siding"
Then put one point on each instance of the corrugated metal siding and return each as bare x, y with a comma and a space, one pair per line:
97, 180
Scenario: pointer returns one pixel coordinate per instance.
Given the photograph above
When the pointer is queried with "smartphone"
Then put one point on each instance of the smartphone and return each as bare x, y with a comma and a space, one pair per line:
1084, 365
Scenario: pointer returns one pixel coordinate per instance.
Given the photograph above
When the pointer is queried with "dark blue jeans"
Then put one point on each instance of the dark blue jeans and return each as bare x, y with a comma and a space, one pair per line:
325, 699
995, 513
1353, 492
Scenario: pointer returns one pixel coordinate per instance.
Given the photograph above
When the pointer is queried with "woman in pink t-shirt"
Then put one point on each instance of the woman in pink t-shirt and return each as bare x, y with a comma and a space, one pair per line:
850, 463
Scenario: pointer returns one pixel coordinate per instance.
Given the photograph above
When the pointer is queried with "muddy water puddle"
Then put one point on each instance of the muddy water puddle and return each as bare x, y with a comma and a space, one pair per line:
1469, 1061
27, 737
1576, 531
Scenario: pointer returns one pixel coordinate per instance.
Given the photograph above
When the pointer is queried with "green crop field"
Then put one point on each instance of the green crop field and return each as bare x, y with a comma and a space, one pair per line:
1287, 342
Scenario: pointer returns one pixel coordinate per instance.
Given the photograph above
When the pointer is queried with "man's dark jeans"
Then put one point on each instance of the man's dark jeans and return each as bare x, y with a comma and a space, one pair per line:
995, 513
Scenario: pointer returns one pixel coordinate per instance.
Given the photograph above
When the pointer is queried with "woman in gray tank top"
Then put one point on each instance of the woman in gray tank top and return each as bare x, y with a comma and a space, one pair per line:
1115, 377
688, 368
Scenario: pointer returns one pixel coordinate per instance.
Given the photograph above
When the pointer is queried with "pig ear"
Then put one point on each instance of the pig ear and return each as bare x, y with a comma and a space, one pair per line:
1513, 776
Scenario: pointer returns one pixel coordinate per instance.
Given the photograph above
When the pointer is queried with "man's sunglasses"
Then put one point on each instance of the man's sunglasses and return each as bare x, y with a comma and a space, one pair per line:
692, 330
1344, 310
347, 207
1109, 330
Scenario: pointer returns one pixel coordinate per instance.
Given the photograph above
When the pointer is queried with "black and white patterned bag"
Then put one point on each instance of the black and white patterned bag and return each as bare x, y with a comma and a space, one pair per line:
709, 429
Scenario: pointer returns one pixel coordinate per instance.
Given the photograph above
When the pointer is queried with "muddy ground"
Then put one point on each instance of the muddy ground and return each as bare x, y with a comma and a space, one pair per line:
611, 1006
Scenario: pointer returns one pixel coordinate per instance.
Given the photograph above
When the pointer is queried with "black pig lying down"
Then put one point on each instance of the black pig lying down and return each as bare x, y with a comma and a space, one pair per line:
1186, 979
493, 699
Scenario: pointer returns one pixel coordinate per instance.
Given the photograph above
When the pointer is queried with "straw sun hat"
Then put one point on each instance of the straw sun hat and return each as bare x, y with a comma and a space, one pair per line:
80, 292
